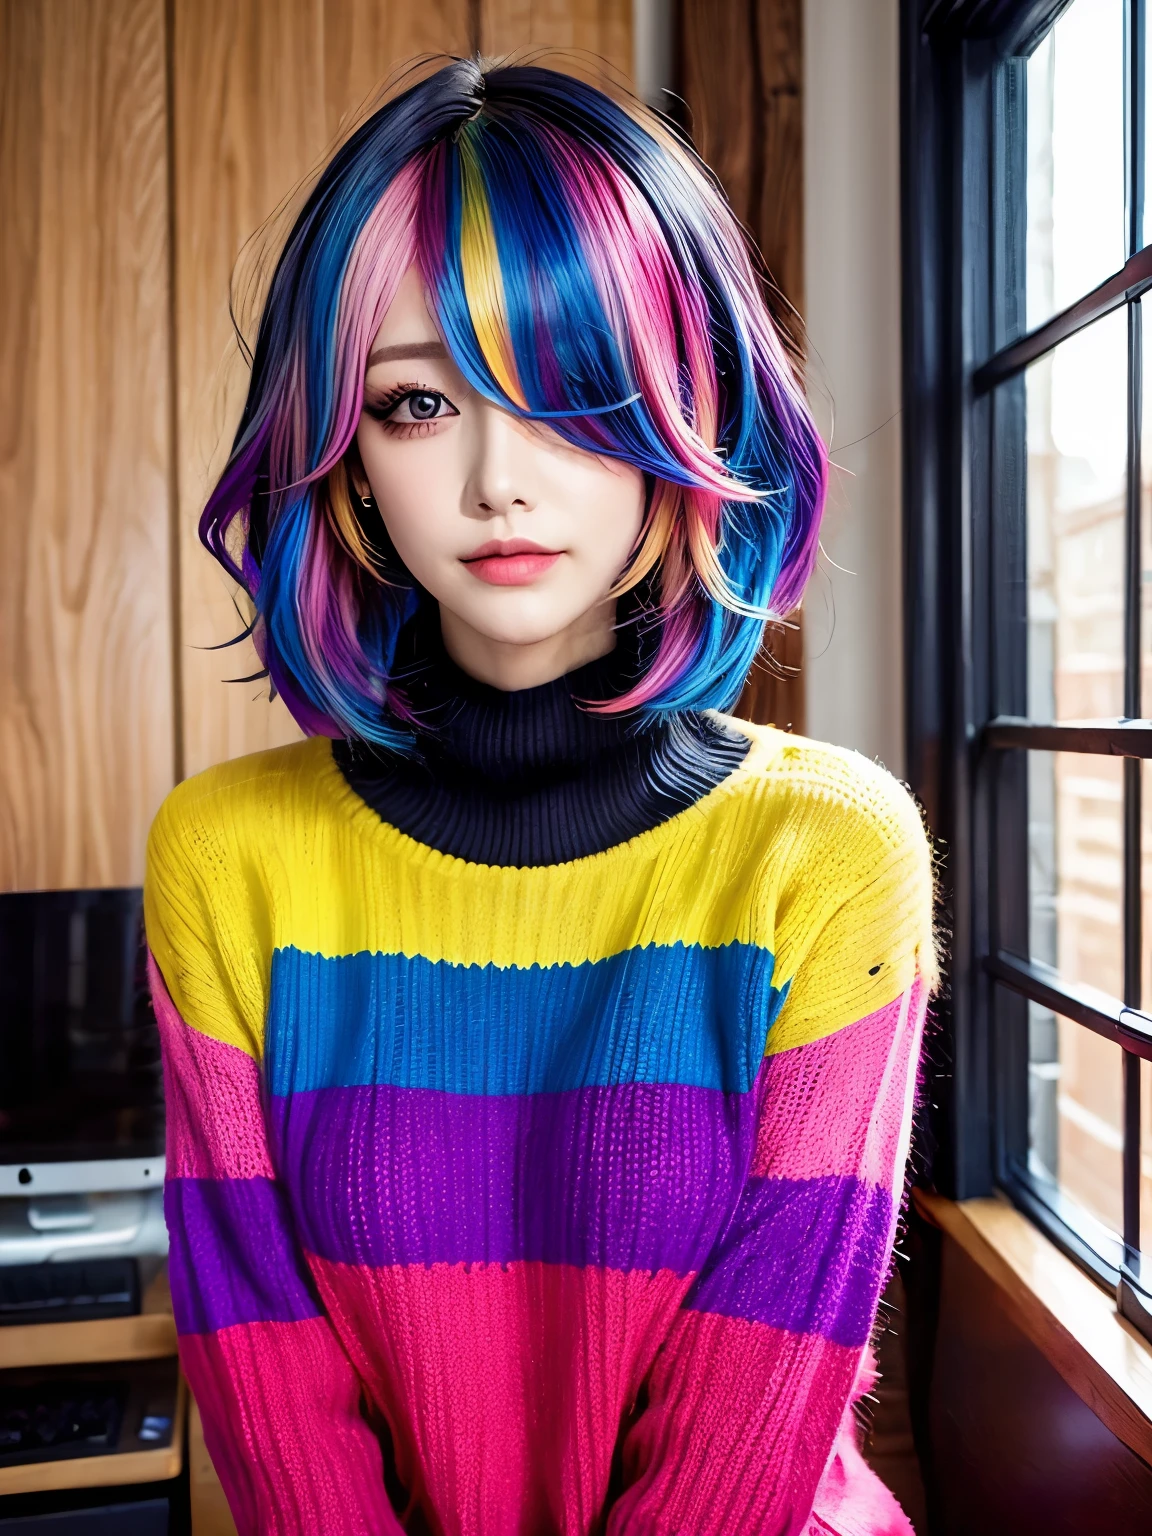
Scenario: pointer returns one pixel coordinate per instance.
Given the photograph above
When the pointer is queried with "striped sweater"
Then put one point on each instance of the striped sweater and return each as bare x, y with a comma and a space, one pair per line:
538, 1197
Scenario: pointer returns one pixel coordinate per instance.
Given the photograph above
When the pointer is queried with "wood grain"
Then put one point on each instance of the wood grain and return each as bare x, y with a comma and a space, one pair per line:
1070, 1319
742, 81
259, 93
600, 27
108, 1338
743, 76
85, 638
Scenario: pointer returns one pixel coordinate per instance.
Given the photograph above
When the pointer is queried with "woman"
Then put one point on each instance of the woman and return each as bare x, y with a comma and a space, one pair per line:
540, 1043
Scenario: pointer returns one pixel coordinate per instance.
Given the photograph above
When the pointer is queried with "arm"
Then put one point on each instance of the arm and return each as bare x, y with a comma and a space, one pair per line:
751, 1389
278, 1397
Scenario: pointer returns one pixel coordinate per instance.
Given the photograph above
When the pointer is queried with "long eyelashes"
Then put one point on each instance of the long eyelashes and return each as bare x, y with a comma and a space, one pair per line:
410, 410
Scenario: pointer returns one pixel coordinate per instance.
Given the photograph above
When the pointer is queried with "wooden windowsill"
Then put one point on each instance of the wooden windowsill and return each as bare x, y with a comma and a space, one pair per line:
1070, 1319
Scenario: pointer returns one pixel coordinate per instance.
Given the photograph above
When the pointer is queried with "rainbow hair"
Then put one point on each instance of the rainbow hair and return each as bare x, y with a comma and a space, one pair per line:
584, 268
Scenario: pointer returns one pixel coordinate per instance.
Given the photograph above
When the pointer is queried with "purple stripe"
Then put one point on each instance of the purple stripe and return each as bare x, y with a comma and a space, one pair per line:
636, 1176
803, 1254
233, 1258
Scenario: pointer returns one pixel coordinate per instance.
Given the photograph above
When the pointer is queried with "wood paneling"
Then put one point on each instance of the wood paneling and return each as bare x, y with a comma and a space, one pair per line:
143, 144
742, 81
742, 78
85, 640
259, 92
602, 27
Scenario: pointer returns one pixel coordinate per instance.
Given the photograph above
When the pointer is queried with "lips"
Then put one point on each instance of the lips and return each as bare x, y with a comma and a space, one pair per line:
510, 562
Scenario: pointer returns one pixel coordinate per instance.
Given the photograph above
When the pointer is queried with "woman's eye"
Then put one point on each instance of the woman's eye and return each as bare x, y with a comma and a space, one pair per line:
421, 405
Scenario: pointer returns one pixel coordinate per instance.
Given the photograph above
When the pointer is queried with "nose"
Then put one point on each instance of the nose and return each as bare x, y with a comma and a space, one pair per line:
502, 481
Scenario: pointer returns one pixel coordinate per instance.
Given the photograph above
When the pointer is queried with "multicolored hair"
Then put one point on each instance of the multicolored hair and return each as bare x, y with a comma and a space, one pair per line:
584, 268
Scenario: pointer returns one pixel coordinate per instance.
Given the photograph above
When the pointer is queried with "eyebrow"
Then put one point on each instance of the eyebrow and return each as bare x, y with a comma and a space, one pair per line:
406, 349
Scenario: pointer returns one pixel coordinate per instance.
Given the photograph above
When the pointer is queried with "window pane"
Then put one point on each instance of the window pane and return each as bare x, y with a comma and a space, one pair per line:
1075, 1113
1075, 157
1076, 866
1077, 456
1146, 510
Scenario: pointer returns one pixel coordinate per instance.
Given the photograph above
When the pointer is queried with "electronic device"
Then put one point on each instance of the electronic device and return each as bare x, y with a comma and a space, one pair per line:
81, 1088
61, 1414
68, 1292
64, 1412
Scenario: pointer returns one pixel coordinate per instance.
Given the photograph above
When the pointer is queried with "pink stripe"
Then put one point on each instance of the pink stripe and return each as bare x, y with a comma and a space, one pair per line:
504, 1384
851, 1500
842, 1105
282, 1423
212, 1100
740, 1424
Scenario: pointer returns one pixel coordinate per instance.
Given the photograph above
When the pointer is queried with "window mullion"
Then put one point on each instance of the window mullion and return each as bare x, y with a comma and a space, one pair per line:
1096, 738
1133, 1299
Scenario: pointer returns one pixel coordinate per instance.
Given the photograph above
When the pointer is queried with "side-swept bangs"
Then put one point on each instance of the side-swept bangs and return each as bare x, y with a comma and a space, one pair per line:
584, 270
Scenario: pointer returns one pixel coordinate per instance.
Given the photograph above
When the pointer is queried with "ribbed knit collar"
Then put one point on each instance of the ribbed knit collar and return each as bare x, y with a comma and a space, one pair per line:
532, 777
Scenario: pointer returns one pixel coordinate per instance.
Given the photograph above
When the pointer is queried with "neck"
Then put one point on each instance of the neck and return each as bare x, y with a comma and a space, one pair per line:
512, 666
520, 777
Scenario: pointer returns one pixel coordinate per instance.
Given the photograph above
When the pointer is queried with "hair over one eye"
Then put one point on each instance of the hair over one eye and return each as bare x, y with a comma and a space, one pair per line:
583, 270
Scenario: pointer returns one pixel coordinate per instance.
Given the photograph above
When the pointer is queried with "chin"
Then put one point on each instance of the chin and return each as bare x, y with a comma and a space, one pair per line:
528, 632
527, 619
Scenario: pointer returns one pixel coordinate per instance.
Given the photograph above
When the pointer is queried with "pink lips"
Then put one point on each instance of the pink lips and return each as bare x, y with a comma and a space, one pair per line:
510, 562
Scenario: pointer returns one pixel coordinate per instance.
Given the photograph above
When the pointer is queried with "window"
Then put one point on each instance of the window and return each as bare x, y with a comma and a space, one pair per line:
1028, 447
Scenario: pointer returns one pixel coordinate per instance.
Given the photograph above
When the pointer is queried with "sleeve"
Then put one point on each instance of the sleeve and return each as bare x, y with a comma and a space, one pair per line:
748, 1425
279, 1399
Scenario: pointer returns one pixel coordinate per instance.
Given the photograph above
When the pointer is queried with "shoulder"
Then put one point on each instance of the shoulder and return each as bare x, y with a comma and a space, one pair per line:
235, 805
206, 904
847, 879
833, 801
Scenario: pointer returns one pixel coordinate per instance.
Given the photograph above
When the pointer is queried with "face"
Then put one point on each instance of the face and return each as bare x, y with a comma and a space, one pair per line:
516, 534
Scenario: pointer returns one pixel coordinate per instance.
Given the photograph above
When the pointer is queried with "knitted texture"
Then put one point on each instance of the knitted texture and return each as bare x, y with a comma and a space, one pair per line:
529, 777
573, 1184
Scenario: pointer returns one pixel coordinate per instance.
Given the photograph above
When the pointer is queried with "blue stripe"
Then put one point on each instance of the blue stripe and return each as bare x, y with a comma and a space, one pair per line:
662, 1014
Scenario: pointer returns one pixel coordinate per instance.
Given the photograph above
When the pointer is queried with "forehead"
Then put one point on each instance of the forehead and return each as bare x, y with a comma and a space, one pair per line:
407, 319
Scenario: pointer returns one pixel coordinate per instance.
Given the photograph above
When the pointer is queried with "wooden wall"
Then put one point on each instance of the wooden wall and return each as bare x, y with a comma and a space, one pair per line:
86, 527
601, 27
142, 142
742, 75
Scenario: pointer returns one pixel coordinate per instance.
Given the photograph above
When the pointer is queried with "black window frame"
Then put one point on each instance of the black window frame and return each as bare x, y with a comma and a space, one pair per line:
965, 346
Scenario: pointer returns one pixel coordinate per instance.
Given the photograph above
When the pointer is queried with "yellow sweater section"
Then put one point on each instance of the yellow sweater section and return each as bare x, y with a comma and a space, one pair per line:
809, 851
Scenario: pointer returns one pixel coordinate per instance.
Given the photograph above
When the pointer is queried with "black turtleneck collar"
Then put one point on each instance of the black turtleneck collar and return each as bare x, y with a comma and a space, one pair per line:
531, 777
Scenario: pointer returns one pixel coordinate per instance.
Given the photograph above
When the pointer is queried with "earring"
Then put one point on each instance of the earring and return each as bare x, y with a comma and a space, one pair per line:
368, 503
